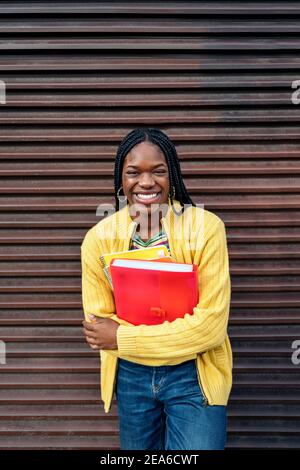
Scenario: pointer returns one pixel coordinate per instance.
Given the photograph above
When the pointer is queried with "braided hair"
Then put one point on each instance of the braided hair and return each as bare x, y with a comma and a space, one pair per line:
159, 138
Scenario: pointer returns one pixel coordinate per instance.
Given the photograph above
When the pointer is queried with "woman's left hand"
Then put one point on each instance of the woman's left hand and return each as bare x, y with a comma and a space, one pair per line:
101, 333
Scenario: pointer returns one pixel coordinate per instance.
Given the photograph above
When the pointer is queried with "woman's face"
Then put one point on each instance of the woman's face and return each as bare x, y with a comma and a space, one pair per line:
145, 175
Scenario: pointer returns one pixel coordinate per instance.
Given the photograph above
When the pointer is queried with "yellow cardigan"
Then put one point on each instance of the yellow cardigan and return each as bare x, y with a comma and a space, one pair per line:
198, 236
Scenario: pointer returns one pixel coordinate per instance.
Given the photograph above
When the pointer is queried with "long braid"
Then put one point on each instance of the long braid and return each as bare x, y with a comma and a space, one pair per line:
157, 137
132, 139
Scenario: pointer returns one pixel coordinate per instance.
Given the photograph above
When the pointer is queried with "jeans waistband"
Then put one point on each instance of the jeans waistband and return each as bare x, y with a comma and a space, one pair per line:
135, 365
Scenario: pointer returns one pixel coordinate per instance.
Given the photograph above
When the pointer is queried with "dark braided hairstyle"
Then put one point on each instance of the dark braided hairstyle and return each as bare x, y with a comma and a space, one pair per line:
157, 137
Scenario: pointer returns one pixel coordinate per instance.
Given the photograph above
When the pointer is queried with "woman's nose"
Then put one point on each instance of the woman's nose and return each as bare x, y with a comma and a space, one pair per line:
146, 179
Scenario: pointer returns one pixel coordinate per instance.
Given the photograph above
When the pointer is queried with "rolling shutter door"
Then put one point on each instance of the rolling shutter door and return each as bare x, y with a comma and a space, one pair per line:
217, 78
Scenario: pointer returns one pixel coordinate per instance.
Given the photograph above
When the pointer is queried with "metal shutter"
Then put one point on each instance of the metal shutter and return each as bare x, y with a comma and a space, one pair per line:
217, 78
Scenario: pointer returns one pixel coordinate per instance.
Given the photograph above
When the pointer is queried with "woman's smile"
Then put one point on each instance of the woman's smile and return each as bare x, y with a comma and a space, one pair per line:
147, 198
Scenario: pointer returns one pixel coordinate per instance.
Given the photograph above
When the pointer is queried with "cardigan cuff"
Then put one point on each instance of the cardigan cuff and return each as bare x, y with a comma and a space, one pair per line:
126, 339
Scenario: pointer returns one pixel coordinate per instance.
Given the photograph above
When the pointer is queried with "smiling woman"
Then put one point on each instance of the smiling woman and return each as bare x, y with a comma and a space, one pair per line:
172, 381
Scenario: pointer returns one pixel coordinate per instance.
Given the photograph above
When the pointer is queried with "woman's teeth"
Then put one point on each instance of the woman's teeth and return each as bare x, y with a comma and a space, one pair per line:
147, 196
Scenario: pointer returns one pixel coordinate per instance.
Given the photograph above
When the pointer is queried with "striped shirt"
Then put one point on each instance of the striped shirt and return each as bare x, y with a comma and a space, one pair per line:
157, 240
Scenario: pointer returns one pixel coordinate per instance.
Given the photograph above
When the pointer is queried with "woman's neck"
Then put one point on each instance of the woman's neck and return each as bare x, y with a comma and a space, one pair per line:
149, 224
145, 232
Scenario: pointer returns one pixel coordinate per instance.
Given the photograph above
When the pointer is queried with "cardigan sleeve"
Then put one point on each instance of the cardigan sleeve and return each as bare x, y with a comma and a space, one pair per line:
97, 296
206, 328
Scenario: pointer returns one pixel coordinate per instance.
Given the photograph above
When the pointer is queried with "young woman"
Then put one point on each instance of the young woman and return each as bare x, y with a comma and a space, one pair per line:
172, 380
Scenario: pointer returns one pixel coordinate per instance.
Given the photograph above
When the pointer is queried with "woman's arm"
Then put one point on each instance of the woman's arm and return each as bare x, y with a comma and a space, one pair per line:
97, 296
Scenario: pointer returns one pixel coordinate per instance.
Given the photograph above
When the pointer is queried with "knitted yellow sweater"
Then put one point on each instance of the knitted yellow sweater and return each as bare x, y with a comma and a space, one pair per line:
198, 236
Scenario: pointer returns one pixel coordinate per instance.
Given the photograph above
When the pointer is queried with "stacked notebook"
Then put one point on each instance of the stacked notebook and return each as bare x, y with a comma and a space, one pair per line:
151, 292
150, 253
149, 286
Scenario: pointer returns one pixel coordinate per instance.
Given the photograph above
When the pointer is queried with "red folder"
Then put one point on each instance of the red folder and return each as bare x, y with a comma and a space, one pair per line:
150, 297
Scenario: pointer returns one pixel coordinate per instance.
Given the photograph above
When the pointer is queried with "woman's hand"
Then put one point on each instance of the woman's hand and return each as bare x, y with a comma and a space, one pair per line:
101, 333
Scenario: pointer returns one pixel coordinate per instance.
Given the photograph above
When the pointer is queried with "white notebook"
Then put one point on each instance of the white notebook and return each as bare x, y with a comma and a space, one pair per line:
153, 265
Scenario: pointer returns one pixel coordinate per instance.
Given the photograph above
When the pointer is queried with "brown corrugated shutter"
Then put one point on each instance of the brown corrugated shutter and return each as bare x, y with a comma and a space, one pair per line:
217, 77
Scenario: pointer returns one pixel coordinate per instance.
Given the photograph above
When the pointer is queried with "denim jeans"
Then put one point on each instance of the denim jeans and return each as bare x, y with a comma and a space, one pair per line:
164, 408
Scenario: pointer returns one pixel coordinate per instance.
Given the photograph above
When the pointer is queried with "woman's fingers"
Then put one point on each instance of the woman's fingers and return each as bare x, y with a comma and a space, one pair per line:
89, 334
93, 345
91, 337
92, 341
91, 325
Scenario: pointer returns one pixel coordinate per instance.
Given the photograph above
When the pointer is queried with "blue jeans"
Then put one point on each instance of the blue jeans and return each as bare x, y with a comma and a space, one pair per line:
164, 408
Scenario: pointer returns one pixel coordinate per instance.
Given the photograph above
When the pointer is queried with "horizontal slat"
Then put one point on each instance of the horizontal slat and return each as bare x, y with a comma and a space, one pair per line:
152, 8
193, 80
96, 428
248, 443
57, 443
50, 427
147, 25
102, 443
169, 116
186, 151
154, 100
151, 63
255, 132
150, 43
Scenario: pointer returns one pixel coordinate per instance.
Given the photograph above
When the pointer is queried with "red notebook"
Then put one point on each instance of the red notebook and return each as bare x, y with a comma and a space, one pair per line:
151, 292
